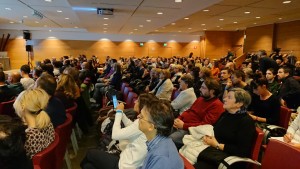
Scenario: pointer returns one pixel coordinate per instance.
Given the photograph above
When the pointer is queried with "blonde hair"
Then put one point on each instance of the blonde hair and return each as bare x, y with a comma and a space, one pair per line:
33, 101
166, 72
67, 84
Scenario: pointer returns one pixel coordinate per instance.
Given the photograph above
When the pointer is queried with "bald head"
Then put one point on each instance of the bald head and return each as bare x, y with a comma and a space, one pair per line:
14, 77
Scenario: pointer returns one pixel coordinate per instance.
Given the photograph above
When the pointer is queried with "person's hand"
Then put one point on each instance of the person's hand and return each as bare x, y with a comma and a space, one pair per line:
178, 124
287, 137
120, 106
210, 140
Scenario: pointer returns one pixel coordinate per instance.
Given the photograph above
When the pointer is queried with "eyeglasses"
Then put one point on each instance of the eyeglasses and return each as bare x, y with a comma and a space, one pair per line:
142, 118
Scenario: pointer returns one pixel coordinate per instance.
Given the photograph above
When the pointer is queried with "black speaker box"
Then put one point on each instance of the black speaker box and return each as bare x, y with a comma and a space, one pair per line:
27, 35
29, 48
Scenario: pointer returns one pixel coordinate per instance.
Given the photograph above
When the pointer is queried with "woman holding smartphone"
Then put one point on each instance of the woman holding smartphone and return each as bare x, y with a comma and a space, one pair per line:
134, 153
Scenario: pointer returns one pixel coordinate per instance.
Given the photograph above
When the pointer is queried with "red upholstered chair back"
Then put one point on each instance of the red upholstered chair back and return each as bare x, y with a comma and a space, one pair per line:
64, 132
257, 143
6, 108
72, 110
125, 93
129, 101
46, 158
285, 115
187, 164
280, 155
123, 86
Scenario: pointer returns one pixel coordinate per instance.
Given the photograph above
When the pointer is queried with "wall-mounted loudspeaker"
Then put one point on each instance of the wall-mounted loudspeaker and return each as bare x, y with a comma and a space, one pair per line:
29, 48
27, 35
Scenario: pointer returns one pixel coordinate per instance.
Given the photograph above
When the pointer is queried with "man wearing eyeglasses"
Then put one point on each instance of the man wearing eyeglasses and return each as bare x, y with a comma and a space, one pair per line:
156, 123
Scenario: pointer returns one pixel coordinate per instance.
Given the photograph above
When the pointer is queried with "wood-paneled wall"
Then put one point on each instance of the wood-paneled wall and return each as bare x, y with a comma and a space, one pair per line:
57, 48
218, 43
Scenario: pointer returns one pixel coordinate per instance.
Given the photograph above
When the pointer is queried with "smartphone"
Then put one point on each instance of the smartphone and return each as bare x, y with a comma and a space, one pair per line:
115, 101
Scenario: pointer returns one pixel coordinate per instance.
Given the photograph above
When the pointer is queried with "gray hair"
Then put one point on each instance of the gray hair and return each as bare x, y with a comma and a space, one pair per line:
241, 96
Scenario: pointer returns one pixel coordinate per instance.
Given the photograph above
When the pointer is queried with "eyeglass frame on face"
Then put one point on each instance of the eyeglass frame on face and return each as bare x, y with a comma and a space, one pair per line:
142, 118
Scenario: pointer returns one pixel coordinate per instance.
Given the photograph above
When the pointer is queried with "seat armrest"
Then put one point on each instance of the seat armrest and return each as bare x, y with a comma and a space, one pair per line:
233, 159
268, 130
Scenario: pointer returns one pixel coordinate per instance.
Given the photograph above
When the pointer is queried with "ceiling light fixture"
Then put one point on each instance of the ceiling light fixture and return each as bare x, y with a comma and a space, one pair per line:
254, 23
148, 20
105, 18
247, 12
279, 18
159, 13
286, 2
75, 27
50, 30
67, 18
173, 23
9, 9
58, 11
221, 19
105, 24
104, 31
186, 18
203, 24
36, 22
234, 22
141, 26
104, 28
25, 16
178, 1
204, 29
11, 22
218, 26
189, 28
258, 17
205, 10
135, 29
179, 31
48, 0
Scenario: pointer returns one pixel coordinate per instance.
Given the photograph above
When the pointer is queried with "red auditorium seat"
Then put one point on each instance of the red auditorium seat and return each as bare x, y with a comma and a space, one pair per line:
187, 164
72, 111
64, 132
6, 108
123, 86
125, 93
46, 158
130, 100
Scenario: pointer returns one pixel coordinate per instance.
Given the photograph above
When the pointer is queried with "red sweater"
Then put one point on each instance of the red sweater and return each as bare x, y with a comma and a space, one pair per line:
202, 112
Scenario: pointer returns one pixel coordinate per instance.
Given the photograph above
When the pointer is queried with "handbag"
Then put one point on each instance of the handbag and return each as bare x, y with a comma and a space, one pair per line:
212, 156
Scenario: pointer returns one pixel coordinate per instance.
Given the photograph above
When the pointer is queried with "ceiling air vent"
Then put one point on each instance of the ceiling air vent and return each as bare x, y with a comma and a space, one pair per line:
105, 11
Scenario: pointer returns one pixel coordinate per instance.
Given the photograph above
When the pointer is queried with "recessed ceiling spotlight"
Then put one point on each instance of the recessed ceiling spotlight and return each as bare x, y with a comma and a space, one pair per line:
254, 23
67, 18
105, 18
247, 12
203, 24
75, 27
286, 2
148, 20
135, 29
234, 22
141, 26
258, 17
105, 24
178, 1
221, 19
186, 18
11, 22
173, 23
189, 28
205, 10
25, 16
48, 0
159, 13
204, 29
9, 9
104, 28
279, 18
50, 30
58, 11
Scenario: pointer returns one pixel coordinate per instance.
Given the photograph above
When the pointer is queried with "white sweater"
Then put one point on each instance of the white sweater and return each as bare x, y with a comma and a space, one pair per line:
135, 152
294, 129
184, 100
193, 144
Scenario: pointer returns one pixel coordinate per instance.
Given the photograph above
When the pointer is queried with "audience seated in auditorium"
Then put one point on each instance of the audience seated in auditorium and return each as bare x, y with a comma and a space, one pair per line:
238, 80
12, 140
265, 107
55, 108
154, 79
15, 85
26, 81
248, 75
5, 92
178, 73
265, 62
30, 107
187, 96
135, 151
233, 132
290, 88
155, 121
215, 68
37, 72
66, 90
205, 110
164, 88
273, 85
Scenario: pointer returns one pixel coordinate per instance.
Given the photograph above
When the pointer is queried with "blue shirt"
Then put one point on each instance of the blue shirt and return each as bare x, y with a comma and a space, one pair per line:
162, 154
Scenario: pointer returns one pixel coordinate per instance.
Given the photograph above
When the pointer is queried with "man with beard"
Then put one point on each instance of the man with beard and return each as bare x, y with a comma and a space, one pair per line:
205, 110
